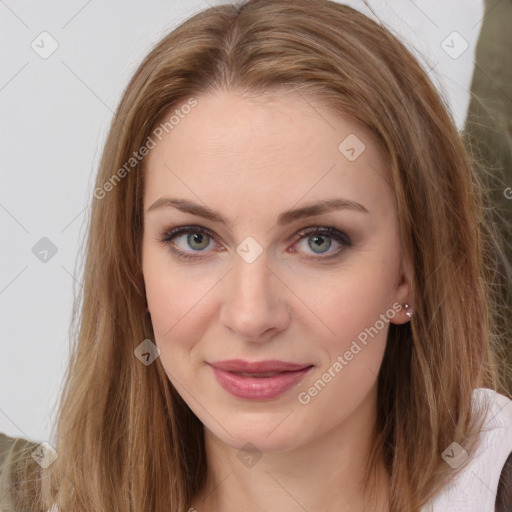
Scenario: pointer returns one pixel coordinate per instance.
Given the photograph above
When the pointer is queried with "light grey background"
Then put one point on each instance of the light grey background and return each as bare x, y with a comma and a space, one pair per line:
54, 115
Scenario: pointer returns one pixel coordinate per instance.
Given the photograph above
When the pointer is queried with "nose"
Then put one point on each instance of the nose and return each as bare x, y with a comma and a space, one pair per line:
254, 304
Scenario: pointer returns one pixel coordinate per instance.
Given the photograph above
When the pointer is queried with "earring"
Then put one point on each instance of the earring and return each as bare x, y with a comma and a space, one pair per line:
408, 313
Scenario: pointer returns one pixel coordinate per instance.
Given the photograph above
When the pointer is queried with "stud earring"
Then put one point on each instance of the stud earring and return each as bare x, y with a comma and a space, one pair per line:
408, 313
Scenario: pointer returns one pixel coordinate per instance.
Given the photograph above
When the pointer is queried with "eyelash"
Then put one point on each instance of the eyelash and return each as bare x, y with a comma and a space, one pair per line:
329, 231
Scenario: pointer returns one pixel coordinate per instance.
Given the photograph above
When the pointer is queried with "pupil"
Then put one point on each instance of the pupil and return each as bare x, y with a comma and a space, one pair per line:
197, 238
318, 239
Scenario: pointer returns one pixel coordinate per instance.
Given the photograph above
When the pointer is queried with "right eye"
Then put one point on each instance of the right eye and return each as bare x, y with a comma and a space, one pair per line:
193, 237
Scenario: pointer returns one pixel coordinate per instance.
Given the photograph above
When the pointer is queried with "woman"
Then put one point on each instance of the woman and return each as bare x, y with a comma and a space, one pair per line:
288, 296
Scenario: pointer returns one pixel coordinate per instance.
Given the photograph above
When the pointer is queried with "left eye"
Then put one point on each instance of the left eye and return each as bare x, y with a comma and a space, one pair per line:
318, 239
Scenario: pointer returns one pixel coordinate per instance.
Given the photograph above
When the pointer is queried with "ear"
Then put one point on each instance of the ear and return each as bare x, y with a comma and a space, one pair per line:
402, 296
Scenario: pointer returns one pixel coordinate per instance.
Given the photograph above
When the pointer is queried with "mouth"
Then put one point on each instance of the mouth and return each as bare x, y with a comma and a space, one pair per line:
256, 374
262, 380
258, 367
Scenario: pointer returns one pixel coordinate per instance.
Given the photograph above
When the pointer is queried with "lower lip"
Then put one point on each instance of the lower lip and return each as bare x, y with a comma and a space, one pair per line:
258, 388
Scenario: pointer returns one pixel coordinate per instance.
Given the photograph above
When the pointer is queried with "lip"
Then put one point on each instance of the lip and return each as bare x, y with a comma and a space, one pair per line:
273, 365
258, 388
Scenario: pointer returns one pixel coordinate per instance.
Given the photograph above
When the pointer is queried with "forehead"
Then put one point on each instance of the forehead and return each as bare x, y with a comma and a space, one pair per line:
274, 148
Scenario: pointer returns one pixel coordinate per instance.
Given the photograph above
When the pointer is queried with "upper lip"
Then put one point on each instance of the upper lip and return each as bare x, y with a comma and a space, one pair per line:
239, 365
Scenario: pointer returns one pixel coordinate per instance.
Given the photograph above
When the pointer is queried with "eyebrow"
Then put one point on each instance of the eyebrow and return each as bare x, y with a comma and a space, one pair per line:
284, 218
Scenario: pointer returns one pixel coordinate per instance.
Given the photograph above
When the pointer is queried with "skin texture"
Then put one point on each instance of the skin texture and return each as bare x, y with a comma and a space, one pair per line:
252, 159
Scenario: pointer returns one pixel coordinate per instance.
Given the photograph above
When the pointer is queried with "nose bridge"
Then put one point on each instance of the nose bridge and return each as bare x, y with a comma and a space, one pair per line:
252, 279
254, 302
251, 274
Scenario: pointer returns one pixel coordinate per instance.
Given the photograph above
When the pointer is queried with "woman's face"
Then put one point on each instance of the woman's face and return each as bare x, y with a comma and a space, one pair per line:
264, 267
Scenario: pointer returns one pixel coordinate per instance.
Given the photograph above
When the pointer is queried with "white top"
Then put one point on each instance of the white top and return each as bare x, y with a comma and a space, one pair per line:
475, 487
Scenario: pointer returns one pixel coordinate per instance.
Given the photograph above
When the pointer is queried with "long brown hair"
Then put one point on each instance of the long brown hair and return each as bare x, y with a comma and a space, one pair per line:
125, 439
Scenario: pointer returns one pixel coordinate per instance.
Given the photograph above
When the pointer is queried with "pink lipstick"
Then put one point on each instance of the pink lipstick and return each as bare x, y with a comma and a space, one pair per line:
260, 380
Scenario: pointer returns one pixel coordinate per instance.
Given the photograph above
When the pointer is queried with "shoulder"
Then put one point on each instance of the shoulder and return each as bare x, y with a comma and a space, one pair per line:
477, 485
504, 494
19, 474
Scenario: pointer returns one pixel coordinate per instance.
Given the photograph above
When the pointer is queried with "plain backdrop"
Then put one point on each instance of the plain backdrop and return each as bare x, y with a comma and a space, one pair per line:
54, 116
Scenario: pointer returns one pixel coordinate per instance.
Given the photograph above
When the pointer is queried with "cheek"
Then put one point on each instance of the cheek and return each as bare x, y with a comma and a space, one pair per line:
354, 319
177, 301
170, 304
347, 302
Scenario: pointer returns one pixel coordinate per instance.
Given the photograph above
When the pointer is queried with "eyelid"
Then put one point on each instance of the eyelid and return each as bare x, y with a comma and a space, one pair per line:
329, 231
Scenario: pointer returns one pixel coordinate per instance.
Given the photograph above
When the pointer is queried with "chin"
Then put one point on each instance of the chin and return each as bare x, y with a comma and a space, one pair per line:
258, 435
